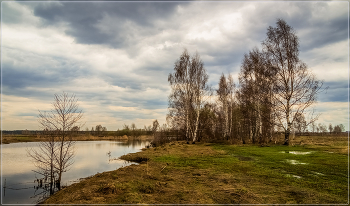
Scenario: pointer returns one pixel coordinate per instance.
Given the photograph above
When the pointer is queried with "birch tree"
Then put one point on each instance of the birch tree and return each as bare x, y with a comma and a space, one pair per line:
231, 97
256, 80
201, 91
180, 100
223, 95
295, 88
189, 93
330, 128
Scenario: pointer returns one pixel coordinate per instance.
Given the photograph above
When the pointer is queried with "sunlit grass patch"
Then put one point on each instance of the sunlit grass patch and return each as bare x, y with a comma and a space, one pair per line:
273, 161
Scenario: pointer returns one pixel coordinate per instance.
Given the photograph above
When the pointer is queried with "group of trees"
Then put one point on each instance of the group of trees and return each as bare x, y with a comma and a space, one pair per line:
322, 128
98, 131
275, 92
183, 106
190, 92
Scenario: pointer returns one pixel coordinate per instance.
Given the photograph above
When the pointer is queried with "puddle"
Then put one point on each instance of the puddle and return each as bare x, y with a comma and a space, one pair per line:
296, 152
295, 162
295, 176
317, 173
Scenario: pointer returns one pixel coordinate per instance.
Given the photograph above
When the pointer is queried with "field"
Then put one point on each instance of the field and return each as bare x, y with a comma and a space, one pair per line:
314, 170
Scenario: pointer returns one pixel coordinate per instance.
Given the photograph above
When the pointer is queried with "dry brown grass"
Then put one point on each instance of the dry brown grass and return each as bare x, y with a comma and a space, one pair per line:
7, 139
338, 144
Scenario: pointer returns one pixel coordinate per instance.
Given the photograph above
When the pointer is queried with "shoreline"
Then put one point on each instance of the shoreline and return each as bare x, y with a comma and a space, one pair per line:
22, 138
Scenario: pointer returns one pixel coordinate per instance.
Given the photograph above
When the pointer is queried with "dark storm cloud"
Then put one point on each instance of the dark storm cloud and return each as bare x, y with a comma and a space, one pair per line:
336, 92
10, 15
155, 76
313, 22
228, 61
14, 77
325, 33
156, 104
83, 18
145, 102
121, 81
127, 115
33, 82
317, 31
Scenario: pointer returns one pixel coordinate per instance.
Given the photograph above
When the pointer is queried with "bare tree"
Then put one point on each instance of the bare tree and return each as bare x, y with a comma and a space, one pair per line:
313, 126
98, 130
126, 127
223, 95
44, 158
155, 128
104, 131
181, 96
342, 128
92, 131
231, 86
339, 128
201, 91
134, 131
330, 128
295, 88
256, 79
300, 123
189, 94
323, 128
133, 126
56, 155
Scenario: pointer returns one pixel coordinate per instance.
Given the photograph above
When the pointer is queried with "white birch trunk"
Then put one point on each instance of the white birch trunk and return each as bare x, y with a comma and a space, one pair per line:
196, 129
226, 118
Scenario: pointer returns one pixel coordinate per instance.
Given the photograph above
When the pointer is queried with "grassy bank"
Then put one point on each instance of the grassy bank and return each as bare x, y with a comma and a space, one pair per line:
214, 173
7, 139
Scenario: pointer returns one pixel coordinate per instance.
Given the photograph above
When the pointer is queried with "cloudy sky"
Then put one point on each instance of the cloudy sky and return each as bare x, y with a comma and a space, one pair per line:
116, 56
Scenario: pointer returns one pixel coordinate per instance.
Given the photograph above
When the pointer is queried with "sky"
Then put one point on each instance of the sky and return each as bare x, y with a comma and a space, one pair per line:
116, 56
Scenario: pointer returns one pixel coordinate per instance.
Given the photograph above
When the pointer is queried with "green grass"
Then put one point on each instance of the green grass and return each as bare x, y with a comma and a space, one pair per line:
178, 173
320, 171
270, 163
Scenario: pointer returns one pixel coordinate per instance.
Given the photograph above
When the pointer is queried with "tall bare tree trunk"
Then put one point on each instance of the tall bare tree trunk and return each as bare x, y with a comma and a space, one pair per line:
187, 123
287, 132
196, 129
226, 120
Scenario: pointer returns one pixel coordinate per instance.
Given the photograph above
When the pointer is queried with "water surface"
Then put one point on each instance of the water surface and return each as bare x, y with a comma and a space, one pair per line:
91, 157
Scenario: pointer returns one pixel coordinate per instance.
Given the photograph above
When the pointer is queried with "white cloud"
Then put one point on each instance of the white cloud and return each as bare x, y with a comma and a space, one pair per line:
329, 62
334, 113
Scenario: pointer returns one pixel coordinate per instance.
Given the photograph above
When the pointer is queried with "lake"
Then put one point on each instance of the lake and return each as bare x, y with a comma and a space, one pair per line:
91, 157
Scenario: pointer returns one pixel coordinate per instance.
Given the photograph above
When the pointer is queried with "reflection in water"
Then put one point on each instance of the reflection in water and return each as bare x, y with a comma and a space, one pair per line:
90, 158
